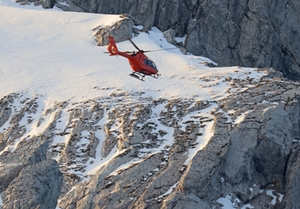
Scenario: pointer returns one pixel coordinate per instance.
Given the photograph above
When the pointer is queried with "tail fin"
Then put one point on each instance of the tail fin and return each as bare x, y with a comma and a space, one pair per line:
112, 47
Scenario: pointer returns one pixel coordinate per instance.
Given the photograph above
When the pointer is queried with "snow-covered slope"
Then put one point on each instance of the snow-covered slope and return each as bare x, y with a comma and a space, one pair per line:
53, 53
63, 86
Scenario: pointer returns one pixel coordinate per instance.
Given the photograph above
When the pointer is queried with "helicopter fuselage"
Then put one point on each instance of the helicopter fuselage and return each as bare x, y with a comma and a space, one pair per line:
138, 61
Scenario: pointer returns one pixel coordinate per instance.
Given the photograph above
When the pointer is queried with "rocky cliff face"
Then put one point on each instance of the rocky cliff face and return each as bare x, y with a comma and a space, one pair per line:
256, 33
134, 151
130, 150
249, 33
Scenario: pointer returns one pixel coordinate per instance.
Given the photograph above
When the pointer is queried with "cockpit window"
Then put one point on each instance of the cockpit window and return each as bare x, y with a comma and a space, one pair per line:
150, 63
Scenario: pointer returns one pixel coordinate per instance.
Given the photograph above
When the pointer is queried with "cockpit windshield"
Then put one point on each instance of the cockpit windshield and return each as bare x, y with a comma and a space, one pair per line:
150, 63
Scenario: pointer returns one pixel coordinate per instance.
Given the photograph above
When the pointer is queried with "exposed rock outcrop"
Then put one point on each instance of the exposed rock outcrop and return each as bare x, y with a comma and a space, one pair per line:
121, 31
130, 150
244, 159
248, 33
37, 186
27, 153
141, 10
46, 4
292, 179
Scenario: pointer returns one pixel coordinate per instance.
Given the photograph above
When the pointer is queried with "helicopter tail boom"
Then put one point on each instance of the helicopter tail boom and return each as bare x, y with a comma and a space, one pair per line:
112, 47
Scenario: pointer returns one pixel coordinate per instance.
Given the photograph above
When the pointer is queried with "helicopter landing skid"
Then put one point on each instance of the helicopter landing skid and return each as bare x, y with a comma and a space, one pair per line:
141, 76
155, 75
138, 76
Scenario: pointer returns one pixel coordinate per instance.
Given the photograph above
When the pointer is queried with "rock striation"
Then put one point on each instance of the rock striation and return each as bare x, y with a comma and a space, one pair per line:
130, 150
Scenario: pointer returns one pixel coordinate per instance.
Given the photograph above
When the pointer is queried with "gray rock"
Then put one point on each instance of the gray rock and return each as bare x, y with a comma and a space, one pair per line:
243, 143
200, 177
5, 110
37, 186
188, 201
292, 186
248, 33
263, 132
68, 5
275, 139
143, 147
121, 31
28, 152
242, 159
48, 4
170, 36
142, 11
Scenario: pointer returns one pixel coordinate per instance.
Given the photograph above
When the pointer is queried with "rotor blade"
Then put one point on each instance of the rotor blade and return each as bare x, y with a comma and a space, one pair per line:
155, 50
149, 50
134, 44
132, 52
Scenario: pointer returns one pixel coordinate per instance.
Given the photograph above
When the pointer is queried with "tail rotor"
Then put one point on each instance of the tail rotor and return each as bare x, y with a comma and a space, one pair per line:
112, 47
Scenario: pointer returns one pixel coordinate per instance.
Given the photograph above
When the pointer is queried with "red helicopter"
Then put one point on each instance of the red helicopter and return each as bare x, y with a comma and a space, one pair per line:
141, 65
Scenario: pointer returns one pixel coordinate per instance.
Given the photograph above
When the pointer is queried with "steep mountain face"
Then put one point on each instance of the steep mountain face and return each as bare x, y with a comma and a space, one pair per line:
256, 33
134, 151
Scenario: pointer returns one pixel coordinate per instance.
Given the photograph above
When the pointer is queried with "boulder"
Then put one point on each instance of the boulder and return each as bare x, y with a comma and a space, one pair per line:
169, 35
121, 31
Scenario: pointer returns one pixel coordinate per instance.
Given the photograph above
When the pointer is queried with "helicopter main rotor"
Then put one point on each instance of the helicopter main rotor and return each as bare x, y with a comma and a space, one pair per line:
143, 51
135, 45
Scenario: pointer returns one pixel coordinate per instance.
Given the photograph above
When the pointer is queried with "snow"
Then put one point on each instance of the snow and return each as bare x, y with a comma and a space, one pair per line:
228, 203
241, 117
170, 190
270, 193
125, 166
207, 133
53, 54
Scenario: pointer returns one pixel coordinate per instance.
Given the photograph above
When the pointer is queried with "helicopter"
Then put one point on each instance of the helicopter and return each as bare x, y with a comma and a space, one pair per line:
141, 65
